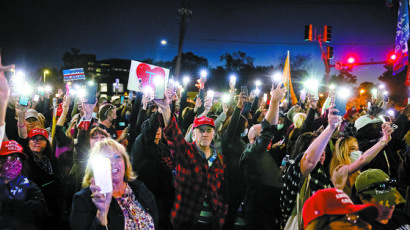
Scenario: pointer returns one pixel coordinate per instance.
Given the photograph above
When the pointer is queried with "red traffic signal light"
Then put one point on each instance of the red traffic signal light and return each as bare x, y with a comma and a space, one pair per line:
351, 60
308, 33
327, 34
329, 52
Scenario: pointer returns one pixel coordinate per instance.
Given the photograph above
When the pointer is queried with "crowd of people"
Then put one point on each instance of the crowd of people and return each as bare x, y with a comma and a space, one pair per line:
200, 163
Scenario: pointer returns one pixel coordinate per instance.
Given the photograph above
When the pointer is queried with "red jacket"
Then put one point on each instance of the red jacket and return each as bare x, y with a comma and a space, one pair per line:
194, 179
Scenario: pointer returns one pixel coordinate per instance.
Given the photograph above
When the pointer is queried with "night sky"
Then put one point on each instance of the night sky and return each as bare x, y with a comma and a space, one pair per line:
37, 33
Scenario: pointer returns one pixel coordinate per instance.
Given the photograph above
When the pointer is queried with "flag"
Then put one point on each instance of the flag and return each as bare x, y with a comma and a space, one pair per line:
288, 82
402, 35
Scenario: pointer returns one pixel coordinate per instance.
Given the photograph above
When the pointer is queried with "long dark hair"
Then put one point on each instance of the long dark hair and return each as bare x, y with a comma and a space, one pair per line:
302, 144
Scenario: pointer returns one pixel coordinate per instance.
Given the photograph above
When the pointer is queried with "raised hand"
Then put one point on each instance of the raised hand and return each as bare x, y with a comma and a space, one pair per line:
277, 93
387, 131
145, 100
241, 100
66, 102
198, 103
102, 202
163, 106
88, 110
333, 119
312, 102
225, 108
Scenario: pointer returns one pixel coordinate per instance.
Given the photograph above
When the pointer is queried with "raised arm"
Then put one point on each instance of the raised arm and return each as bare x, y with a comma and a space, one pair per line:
21, 127
317, 147
373, 151
4, 96
272, 116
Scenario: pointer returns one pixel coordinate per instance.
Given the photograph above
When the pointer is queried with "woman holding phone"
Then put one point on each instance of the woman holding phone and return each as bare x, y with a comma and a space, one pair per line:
130, 205
347, 159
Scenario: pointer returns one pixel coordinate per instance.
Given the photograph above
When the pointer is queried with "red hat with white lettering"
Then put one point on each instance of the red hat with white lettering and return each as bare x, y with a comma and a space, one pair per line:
333, 201
36, 132
9, 147
203, 121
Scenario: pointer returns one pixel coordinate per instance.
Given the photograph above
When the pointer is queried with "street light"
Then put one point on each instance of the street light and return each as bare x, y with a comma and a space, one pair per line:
44, 78
362, 91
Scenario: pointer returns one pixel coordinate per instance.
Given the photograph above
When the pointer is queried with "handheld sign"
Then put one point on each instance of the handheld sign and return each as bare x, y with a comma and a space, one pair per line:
142, 75
73, 74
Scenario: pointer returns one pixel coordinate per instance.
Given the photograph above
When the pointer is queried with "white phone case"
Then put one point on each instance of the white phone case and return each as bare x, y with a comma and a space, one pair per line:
102, 173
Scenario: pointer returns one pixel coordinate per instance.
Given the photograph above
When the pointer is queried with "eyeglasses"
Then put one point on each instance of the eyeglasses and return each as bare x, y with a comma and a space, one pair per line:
11, 158
382, 186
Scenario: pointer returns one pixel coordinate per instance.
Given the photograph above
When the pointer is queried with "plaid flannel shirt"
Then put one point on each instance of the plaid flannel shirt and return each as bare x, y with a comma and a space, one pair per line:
195, 179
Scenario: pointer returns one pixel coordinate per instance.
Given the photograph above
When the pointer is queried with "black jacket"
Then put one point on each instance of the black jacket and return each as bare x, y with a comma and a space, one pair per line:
148, 162
83, 214
23, 209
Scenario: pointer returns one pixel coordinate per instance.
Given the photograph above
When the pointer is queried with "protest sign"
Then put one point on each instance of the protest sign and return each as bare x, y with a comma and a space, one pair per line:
146, 75
73, 74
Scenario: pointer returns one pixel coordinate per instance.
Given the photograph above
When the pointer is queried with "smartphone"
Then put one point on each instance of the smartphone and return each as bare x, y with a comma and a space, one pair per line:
131, 95
340, 104
159, 89
122, 99
386, 98
24, 100
101, 167
91, 94
121, 124
244, 90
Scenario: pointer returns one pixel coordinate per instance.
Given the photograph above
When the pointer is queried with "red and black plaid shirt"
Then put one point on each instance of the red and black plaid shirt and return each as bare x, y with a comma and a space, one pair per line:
195, 179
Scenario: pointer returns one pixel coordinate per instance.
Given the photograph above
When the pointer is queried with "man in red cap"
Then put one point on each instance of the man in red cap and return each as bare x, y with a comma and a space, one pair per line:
201, 188
333, 209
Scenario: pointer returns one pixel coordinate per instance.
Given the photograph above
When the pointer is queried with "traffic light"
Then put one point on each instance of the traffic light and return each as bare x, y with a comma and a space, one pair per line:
327, 34
329, 52
308, 32
392, 58
351, 60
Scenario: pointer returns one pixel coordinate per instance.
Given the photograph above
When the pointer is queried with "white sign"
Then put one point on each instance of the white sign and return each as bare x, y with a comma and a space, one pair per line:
142, 74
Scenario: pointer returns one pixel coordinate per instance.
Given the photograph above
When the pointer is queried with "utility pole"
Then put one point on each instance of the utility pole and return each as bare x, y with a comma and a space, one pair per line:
185, 14
321, 38
325, 59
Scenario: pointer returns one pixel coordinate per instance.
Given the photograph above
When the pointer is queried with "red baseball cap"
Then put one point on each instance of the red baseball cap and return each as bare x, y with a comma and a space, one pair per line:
333, 201
36, 132
9, 147
203, 121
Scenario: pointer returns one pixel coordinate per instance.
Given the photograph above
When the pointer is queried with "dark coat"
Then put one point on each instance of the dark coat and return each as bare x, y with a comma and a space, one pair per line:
154, 166
83, 214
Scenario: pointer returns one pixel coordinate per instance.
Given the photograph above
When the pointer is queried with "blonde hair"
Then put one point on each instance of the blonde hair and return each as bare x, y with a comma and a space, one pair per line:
41, 119
341, 155
298, 119
99, 148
